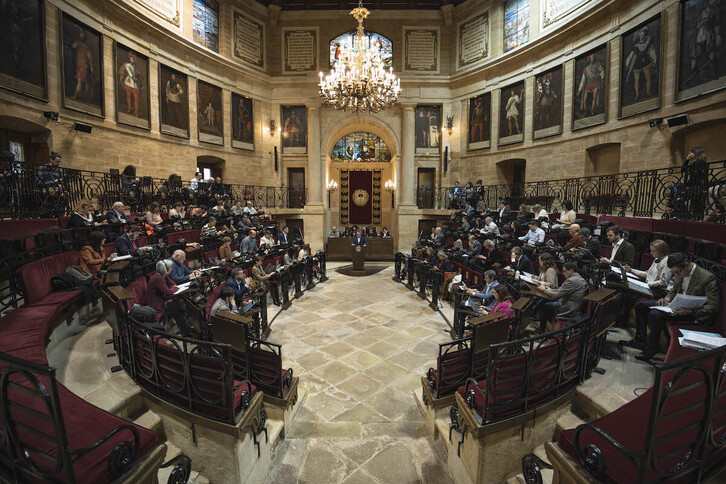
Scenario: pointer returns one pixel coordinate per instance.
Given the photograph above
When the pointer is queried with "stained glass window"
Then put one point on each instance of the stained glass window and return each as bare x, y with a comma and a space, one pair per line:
516, 23
361, 146
344, 43
205, 24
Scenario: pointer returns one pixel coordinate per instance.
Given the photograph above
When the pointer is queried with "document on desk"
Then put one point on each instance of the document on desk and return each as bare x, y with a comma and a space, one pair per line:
210, 268
121, 257
682, 301
639, 286
701, 341
527, 279
182, 287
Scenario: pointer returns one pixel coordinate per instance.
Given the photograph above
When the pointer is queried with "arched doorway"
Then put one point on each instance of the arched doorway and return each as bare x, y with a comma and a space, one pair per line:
28, 141
210, 166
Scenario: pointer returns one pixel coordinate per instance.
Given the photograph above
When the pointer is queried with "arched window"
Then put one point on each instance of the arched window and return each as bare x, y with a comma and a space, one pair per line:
344, 42
361, 147
205, 23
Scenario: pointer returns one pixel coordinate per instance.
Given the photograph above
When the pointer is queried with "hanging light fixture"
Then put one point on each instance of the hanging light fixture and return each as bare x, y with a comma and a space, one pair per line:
360, 81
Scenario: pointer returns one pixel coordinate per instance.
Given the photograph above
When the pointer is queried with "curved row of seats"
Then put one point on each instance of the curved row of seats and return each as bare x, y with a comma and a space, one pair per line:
23, 335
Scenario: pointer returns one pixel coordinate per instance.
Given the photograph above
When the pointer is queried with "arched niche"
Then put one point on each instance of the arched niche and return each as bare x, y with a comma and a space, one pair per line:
33, 139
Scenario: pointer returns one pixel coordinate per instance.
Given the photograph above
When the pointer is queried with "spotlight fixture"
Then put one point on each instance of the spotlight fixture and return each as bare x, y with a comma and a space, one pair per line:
272, 128
449, 127
51, 115
655, 122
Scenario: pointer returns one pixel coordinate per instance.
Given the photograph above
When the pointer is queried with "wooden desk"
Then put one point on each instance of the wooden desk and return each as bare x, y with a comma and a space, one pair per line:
378, 248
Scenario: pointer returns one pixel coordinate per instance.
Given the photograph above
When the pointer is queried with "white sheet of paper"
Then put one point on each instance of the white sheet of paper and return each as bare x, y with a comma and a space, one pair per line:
121, 257
688, 302
182, 287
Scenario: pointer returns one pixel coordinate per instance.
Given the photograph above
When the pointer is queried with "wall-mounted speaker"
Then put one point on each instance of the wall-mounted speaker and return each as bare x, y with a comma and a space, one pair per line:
678, 121
83, 128
446, 159
275, 158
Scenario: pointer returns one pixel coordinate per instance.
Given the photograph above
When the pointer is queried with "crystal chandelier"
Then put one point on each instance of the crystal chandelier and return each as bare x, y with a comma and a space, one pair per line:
359, 81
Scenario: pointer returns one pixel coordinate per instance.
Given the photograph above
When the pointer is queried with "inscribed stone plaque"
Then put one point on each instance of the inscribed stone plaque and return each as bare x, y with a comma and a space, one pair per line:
249, 43
554, 10
474, 40
169, 10
300, 50
421, 49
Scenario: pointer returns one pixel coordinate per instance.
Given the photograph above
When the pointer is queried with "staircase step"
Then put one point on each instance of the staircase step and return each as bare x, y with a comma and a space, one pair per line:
149, 420
274, 431
566, 422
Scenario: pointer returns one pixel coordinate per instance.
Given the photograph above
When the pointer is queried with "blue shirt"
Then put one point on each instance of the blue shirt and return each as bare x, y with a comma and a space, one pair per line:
487, 295
531, 238
179, 272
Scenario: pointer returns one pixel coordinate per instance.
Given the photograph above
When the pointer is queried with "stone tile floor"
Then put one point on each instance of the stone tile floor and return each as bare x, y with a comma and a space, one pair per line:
360, 346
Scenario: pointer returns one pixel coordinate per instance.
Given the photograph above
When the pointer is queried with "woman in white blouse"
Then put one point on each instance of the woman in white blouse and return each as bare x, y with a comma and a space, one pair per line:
658, 276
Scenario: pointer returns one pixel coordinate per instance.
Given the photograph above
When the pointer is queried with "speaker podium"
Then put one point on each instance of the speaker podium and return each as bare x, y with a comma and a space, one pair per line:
359, 259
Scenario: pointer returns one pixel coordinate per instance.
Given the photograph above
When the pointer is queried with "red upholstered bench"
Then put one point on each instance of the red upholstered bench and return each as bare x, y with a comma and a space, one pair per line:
35, 276
452, 369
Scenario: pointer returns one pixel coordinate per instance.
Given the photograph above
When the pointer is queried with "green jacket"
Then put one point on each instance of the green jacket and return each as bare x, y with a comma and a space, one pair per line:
703, 283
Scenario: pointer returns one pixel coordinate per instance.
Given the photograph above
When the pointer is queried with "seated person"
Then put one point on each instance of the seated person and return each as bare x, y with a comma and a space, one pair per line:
240, 284
468, 210
658, 277
489, 255
444, 264
567, 217
90, 258
200, 211
568, 298
464, 227
249, 243
283, 238
474, 246
83, 216
519, 262
117, 214
225, 302
219, 210
534, 235
575, 241
128, 244
159, 287
439, 239
179, 273
590, 244
334, 233
547, 272
153, 215
209, 230
503, 302
385, 233
178, 211
264, 279
540, 214
371, 231
691, 280
487, 292
245, 225
458, 248
249, 209
225, 250
623, 251
504, 212
266, 240
237, 209
490, 227
524, 215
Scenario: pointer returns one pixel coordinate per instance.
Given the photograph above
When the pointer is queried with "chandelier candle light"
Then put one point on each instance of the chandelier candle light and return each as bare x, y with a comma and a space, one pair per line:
359, 81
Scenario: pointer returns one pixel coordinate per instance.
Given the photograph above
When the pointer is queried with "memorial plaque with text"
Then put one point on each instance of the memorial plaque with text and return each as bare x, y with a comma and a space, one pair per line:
421, 49
300, 50
249, 39
474, 40
554, 10
169, 10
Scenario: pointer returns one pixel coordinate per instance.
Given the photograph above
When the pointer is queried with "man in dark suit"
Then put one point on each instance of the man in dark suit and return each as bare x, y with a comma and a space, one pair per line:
474, 246
592, 244
623, 251
128, 244
439, 237
358, 239
239, 284
504, 212
520, 262
690, 280
283, 238
114, 216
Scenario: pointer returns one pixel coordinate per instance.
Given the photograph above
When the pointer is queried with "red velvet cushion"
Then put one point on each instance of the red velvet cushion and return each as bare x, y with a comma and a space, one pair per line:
26, 318
138, 289
35, 276
451, 370
15, 229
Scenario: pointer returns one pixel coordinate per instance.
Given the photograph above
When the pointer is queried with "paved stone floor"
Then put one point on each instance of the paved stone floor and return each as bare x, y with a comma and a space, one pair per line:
360, 346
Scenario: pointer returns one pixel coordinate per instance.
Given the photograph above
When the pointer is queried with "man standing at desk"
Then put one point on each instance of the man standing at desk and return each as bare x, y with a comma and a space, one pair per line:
358, 239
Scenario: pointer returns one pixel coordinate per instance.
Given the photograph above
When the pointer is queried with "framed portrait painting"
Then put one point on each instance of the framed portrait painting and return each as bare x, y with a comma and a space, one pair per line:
589, 103
173, 102
132, 87
81, 66
548, 104
243, 122
210, 125
22, 48
480, 122
511, 114
294, 129
428, 129
641, 66
701, 53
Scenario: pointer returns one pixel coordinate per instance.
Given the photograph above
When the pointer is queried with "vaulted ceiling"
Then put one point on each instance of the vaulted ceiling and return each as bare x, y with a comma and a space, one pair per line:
351, 4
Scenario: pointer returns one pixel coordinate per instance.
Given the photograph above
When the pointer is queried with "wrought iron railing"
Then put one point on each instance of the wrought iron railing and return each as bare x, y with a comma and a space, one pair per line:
668, 193
28, 191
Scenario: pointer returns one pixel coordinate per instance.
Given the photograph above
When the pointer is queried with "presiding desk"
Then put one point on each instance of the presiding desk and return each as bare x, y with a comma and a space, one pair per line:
378, 248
